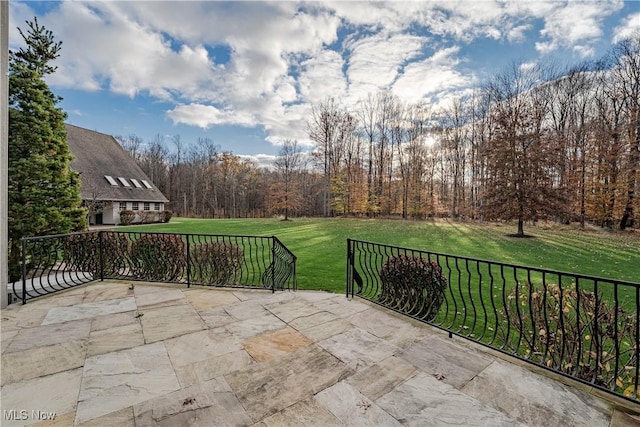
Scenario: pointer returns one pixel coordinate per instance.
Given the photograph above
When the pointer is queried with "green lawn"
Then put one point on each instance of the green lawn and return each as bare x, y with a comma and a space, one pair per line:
320, 244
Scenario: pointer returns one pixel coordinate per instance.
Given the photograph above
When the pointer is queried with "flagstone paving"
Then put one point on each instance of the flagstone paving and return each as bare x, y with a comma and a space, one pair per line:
119, 354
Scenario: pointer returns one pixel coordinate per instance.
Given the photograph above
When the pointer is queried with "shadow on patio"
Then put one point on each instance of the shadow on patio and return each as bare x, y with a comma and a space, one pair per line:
119, 354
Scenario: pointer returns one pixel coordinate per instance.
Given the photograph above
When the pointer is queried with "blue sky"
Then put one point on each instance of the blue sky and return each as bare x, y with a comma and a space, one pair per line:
245, 74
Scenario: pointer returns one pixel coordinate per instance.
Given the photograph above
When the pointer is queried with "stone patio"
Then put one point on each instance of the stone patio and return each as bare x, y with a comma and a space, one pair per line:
120, 354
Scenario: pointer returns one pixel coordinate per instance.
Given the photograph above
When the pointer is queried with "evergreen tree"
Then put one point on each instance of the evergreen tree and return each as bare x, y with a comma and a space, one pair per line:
44, 193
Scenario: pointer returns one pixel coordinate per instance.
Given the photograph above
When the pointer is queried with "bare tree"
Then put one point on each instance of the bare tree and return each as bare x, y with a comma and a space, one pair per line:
324, 130
626, 72
367, 116
522, 182
132, 144
288, 165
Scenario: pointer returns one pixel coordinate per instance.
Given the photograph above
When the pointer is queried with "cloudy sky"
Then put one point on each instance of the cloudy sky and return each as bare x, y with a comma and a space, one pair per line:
245, 74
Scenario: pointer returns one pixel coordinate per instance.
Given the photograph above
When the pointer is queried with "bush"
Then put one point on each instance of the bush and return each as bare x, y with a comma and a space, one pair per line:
413, 285
127, 217
82, 252
147, 217
159, 257
216, 262
558, 327
166, 216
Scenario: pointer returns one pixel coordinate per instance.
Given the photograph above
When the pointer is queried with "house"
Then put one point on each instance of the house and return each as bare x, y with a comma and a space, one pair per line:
111, 181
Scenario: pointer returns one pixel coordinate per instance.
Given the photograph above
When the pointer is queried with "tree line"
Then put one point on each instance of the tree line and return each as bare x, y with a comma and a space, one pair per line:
532, 142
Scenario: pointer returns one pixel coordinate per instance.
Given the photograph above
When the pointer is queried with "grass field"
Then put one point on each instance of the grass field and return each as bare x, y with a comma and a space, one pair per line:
320, 244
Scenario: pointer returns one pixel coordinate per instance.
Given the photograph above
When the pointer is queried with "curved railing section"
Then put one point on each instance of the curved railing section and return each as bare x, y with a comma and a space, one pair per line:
55, 263
583, 327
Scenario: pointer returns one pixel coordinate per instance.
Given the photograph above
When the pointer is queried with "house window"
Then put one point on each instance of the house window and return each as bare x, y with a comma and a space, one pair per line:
146, 206
146, 184
124, 182
156, 206
134, 206
123, 206
136, 183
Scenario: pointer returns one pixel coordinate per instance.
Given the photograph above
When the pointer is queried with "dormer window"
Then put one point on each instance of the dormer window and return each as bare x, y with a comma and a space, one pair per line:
111, 180
136, 183
124, 182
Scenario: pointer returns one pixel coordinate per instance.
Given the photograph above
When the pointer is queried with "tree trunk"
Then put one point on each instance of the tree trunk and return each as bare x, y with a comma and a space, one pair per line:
520, 227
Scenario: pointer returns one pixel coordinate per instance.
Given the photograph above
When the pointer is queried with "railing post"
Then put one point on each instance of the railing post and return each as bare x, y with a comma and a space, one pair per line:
188, 263
349, 269
273, 264
101, 255
24, 271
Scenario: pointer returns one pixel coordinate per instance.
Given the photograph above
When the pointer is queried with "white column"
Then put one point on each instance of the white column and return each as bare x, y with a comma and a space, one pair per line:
4, 149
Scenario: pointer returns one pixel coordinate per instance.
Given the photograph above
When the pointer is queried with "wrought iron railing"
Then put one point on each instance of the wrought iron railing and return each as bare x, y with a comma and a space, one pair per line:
580, 326
54, 263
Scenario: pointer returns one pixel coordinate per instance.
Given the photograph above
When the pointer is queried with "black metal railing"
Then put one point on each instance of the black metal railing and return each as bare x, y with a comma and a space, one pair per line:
583, 327
54, 263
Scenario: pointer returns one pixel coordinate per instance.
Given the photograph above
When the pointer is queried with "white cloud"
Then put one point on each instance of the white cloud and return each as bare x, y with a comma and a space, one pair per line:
321, 75
205, 116
516, 34
431, 77
285, 56
376, 61
627, 28
575, 25
261, 160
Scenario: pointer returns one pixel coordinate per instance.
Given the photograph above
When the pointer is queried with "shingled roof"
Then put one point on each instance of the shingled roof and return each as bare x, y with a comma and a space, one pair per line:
96, 156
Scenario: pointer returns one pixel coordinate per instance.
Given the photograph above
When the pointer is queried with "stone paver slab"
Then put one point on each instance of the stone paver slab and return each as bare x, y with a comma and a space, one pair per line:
202, 299
109, 321
255, 326
212, 367
379, 379
171, 321
89, 310
121, 418
120, 379
52, 393
352, 408
313, 296
60, 420
106, 292
358, 347
41, 361
536, 400
114, 339
246, 310
306, 322
14, 319
199, 346
305, 413
64, 299
341, 306
148, 297
263, 296
292, 309
211, 403
268, 387
6, 337
624, 419
441, 356
216, 317
423, 400
275, 344
397, 331
50, 334
326, 330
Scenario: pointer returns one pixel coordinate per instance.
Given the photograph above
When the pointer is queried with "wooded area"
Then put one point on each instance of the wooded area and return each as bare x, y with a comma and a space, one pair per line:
533, 142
